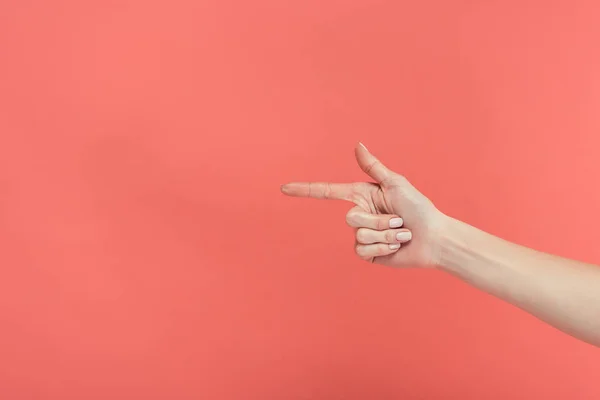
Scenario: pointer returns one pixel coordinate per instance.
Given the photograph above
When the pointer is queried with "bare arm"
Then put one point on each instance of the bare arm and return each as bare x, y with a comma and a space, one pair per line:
562, 292
559, 291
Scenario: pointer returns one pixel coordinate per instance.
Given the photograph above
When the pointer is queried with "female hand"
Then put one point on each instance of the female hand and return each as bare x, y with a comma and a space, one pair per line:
382, 208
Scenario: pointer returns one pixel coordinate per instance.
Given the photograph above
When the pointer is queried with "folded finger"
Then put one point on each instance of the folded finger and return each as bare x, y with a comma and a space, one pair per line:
369, 251
390, 236
358, 218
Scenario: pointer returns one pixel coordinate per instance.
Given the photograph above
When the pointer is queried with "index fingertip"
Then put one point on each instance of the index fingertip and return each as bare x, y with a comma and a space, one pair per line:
284, 188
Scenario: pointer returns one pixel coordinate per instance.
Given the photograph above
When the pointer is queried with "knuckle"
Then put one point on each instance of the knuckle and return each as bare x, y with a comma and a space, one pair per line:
390, 236
368, 168
380, 250
350, 218
327, 193
362, 252
361, 235
359, 250
401, 179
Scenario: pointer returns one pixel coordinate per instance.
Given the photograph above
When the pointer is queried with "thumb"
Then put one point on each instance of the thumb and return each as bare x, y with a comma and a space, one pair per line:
372, 166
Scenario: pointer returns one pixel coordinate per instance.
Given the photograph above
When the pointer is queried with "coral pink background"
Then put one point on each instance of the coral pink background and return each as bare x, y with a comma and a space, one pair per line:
145, 249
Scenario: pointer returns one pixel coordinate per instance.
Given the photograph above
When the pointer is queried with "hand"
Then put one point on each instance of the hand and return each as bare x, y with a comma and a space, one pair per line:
381, 209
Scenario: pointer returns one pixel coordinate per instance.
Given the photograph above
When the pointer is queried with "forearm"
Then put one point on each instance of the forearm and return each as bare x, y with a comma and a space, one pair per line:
562, 292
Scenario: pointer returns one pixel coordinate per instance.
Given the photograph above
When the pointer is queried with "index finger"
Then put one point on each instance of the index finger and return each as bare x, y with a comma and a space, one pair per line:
319, 190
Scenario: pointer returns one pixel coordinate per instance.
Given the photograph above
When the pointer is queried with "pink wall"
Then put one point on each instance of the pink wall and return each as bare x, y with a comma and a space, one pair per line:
145, 249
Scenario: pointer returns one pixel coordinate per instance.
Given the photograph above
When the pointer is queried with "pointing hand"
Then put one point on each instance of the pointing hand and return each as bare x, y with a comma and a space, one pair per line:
395, 224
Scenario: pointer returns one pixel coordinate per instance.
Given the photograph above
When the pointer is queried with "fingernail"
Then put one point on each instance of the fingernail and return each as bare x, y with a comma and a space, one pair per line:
394, 246
404, 236
364, 147
396, 222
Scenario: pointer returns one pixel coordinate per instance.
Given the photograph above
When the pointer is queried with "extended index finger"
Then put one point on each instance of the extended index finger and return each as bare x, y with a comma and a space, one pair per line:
319, 190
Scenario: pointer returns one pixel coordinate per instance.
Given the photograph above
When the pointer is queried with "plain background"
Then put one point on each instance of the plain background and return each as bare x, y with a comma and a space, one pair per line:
145, 249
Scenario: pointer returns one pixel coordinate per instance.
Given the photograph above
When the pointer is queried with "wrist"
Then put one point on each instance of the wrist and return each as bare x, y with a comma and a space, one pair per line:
452, 246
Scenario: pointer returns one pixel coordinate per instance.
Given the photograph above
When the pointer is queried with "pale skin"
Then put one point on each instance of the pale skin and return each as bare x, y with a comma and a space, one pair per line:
397, 226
